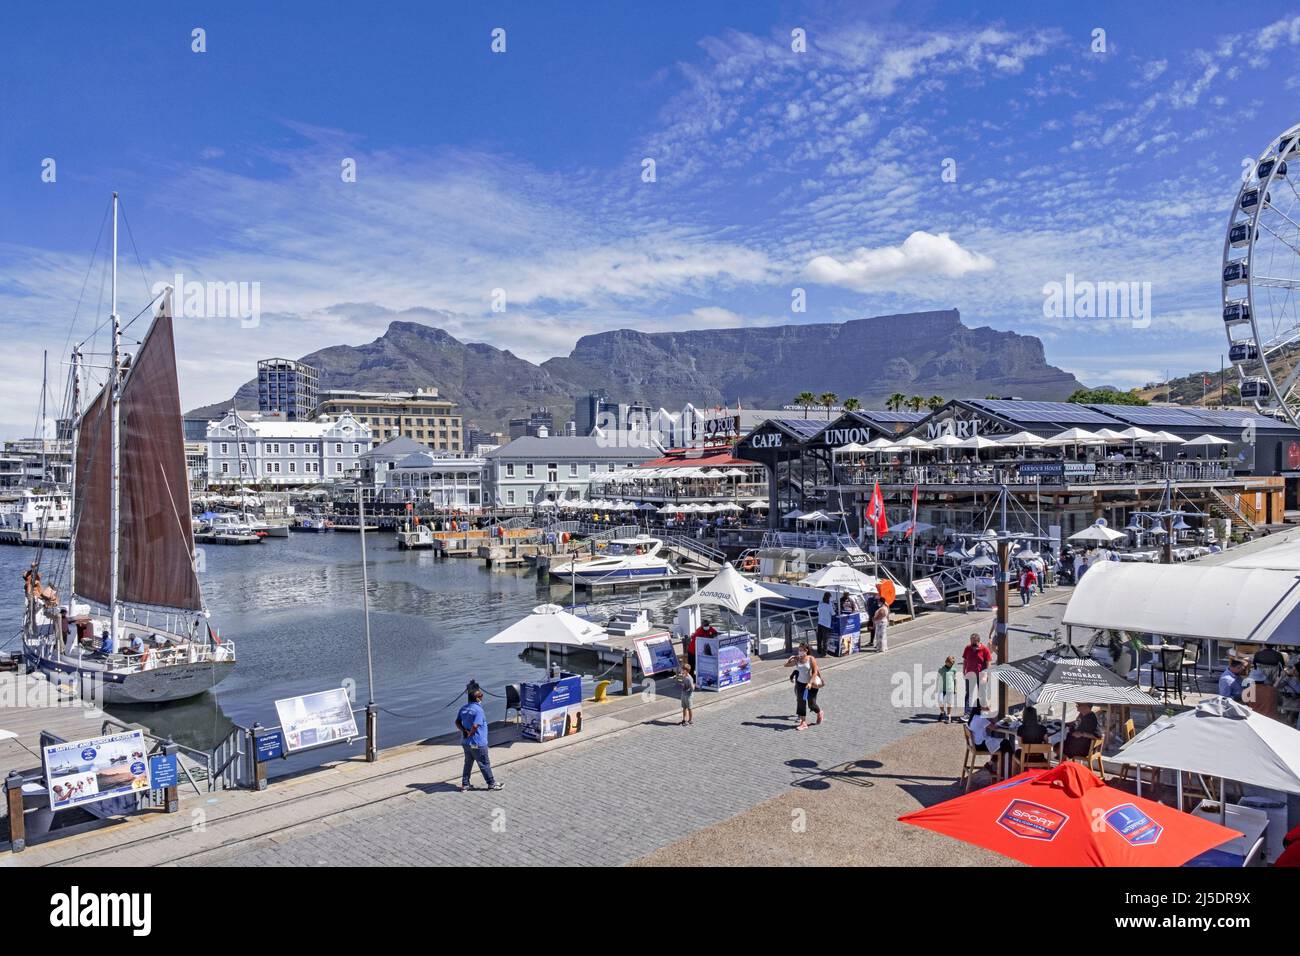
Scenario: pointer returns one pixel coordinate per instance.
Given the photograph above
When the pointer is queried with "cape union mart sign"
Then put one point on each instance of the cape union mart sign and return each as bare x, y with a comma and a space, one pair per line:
766, 440
961, 427
835, 437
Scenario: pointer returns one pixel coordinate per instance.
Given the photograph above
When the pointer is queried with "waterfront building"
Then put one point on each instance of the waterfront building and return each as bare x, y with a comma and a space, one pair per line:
561, 468
286, 386
39, 460
274, 453
687, 475
419, 415
196, 464
1246, 483
454, 484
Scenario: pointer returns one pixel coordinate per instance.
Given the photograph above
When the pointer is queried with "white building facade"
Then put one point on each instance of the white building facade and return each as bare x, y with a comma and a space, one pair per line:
528, 470
245, 450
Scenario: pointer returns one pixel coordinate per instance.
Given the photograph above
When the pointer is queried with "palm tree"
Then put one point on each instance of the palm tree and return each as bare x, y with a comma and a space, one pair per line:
852, 404
805, 400
915, 403
934, 402
896, 401
828, 400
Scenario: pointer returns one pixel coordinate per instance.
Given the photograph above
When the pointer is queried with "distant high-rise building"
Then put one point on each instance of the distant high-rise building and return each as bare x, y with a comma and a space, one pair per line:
539, 418
286, 386
597, 410
419, 415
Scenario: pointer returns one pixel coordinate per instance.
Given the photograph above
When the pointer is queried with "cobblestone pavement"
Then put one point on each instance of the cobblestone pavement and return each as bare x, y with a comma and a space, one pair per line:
615, 799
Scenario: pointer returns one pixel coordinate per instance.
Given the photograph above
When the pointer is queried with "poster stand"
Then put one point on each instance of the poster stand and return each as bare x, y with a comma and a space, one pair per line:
723, 661
551, 708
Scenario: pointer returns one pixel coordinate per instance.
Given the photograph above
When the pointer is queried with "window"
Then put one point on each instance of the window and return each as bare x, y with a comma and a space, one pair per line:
531, 495
510, 497
338, 448
243, 448
225, 448
356, 449
243, 467
293, 467
510, 471
528, 470
293, 449
573, 469
225, 468
611, 467
273, 448
338, 467
552, 471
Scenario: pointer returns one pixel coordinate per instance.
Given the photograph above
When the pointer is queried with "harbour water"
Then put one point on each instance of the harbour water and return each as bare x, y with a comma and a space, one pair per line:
293, 608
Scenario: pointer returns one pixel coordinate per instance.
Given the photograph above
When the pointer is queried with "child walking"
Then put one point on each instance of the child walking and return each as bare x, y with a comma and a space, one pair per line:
687, 680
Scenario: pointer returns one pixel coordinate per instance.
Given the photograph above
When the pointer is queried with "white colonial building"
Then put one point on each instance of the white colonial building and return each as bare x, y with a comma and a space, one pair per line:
402, 469
530, 469
245, 449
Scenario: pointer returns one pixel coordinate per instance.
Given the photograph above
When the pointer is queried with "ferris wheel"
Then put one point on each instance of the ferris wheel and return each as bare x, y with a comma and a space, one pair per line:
1261, 280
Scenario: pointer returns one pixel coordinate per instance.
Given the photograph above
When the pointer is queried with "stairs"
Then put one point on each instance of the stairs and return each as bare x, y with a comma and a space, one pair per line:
695, 553
628, 621
1224, 507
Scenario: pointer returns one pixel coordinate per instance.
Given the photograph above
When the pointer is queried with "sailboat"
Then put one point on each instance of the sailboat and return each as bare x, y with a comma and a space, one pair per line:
137, 628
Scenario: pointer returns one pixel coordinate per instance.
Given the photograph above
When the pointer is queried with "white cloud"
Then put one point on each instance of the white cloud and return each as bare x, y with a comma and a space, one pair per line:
921, 256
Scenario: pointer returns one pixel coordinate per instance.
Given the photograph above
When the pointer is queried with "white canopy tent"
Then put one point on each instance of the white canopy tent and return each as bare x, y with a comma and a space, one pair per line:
732, 590
1216, 602
550, 624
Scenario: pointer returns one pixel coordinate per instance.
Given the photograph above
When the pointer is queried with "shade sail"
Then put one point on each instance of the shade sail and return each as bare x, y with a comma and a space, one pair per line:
549, 624
1065, 816
1222, 738
732, 590
1247, 605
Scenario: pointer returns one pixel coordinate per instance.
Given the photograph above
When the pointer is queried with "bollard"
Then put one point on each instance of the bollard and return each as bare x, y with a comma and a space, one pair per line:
372, 733
627, 674
171, 795
259, 781
14, 801
789, 636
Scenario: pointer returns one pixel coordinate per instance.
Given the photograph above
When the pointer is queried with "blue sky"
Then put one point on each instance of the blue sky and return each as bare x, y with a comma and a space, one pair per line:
522, 171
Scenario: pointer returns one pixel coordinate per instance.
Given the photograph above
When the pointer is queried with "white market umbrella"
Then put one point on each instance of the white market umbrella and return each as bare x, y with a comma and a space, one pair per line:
852, 448
917, 527
1098, 533
814, 516
647, 506
911, 441
1169, 438
729, 506
977, 442
945, 442
757, 506
1112, 437
1074, 436
550, 624
837, 574
878, 444
792, 515
1206, 441
1023, 440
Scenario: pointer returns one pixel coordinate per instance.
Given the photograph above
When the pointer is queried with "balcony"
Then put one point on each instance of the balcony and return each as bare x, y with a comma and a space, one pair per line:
1034, 472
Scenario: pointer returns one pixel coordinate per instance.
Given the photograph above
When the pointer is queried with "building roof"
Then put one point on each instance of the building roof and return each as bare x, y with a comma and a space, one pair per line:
283, 428
683, 458
398, 447
569, 446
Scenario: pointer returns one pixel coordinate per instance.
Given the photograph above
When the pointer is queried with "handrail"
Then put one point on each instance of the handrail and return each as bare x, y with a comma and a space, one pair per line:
697, 547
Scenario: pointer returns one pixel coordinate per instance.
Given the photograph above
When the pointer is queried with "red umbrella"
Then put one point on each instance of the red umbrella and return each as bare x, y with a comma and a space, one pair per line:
1065, 816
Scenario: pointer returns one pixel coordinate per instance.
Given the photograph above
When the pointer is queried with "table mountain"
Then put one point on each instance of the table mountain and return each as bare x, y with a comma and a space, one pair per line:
921, 353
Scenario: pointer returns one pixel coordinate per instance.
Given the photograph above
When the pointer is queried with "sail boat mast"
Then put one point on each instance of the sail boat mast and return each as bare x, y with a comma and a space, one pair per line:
72, 474
115, 434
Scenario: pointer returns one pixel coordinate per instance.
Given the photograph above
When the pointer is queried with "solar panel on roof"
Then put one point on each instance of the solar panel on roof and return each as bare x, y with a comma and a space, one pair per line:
1030, 411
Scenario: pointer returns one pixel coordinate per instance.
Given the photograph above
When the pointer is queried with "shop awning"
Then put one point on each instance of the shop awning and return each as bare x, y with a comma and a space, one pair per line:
1245, 605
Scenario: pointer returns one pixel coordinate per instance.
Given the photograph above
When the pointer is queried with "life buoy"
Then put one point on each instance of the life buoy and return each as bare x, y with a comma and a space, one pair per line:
565, 538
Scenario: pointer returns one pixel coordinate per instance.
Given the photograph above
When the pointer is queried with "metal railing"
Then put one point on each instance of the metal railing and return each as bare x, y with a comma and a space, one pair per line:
190, 763
696, 549
969, 473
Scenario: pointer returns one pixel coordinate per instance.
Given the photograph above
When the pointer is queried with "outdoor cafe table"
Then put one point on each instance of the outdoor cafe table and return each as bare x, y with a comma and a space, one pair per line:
1008, 731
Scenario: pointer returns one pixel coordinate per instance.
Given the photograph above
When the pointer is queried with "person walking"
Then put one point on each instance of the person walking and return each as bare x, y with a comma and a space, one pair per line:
975, 660
687, 680
947, 686
1027, 581
807, 682
473, 726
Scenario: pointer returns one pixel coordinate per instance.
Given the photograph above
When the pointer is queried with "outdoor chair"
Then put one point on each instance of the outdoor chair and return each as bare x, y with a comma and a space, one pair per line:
1191, 661
1171, 673
1031, 756
1092, 759
514, 702
1130, 731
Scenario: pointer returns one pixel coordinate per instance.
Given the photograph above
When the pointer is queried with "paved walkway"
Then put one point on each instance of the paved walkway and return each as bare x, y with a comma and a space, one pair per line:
616, 793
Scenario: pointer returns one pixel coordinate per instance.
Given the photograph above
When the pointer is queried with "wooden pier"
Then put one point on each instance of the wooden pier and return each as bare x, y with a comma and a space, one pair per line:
15, 537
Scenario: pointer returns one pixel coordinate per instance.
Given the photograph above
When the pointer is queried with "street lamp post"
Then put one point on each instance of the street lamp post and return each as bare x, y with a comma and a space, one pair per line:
372, 715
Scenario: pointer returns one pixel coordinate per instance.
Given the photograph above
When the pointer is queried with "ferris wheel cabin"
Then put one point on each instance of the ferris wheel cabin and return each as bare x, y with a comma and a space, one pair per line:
1255, 390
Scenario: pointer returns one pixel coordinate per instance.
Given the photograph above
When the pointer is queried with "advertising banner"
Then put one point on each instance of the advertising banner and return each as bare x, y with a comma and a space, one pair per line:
551, 708
722, 661
314, 719
928, 591
655, 654
98, 768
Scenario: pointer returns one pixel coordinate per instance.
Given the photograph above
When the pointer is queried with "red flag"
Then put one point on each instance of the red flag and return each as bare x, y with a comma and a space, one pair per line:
916, 490
876, 512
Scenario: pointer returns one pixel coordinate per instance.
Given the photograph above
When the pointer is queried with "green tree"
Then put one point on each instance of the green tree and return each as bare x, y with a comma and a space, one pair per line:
1105, 396
852, 404
934, 402
805, 400
896, 401
827, 401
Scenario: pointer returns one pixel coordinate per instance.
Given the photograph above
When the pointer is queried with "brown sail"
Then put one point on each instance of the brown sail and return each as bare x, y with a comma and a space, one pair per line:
156, 540
91, 501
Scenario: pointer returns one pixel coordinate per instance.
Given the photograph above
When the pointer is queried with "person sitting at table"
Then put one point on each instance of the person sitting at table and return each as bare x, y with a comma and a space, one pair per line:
1081, 732
1030, 730
980, 725
1230, 679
